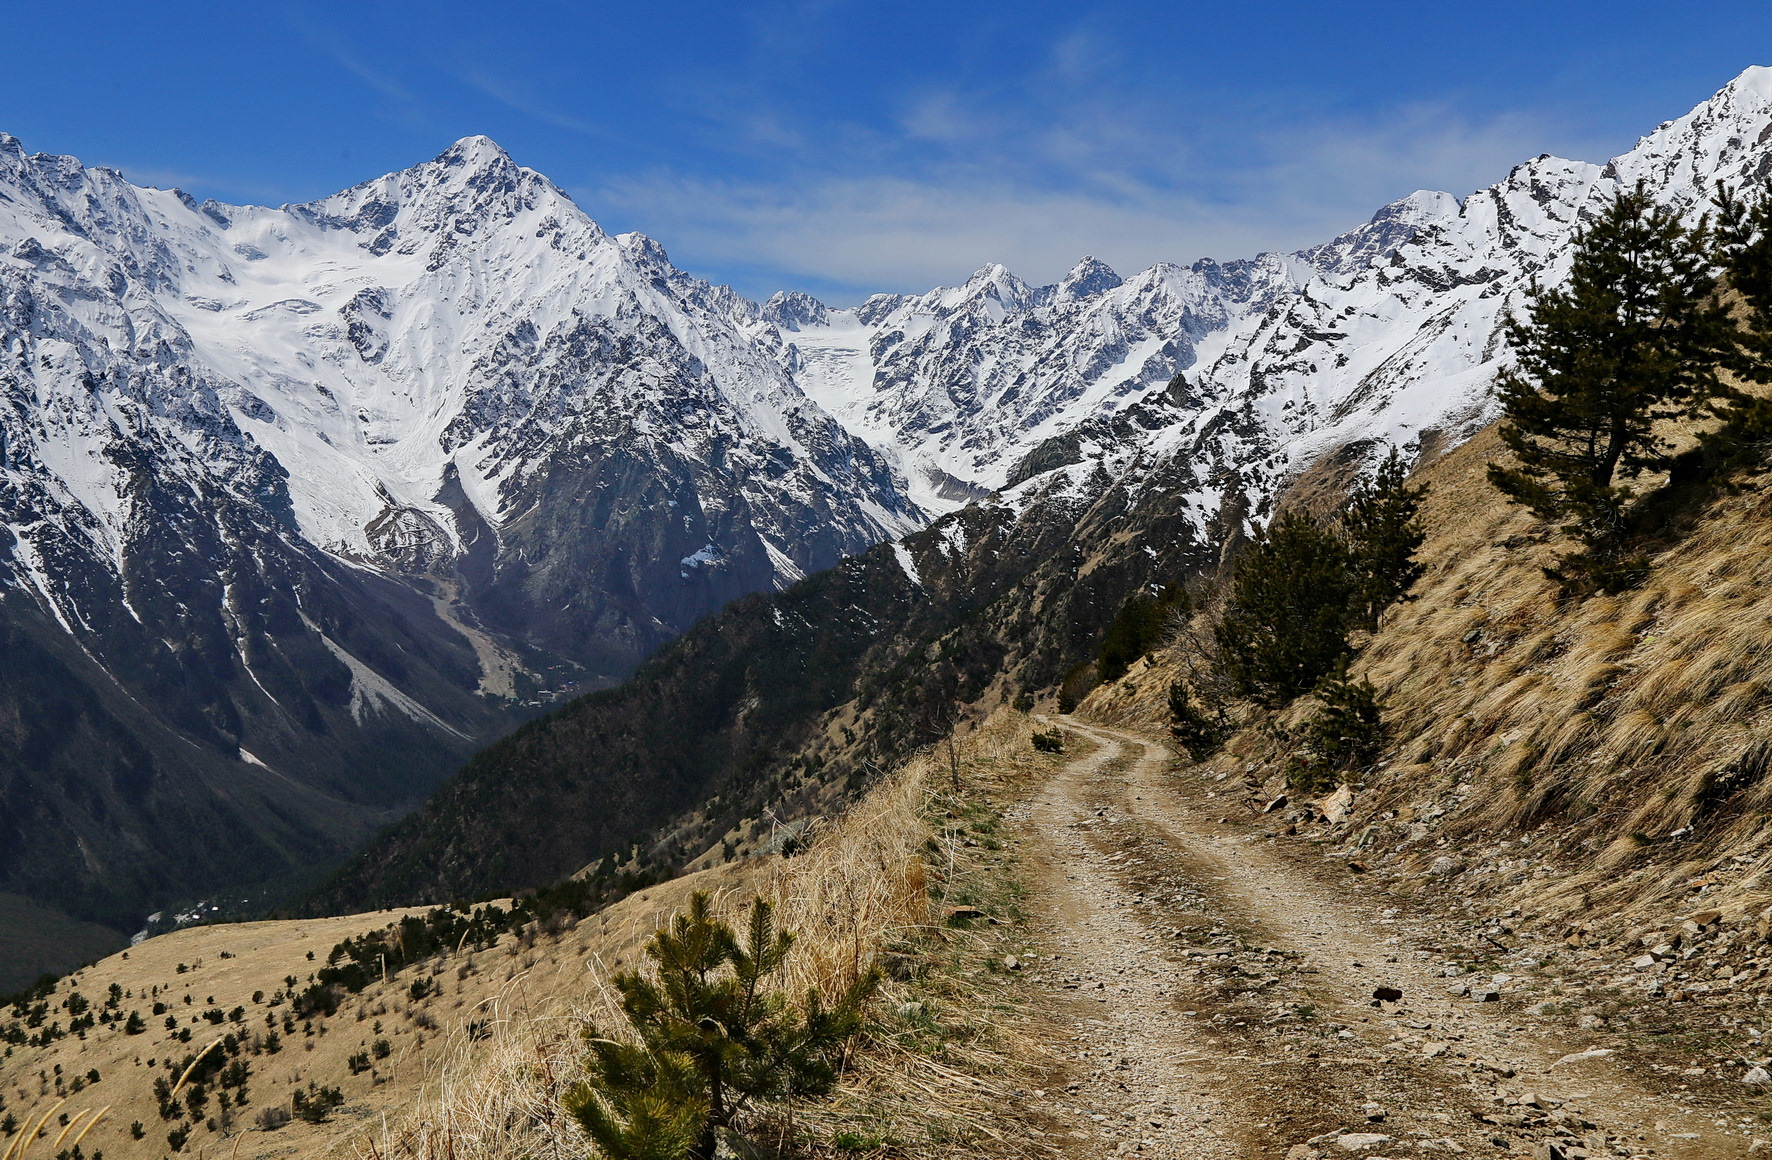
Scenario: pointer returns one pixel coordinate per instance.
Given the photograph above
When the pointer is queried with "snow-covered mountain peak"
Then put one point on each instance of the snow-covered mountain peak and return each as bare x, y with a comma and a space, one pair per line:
476, 152
794, 310
470, 189
1390, 227
646, 253
961, 384
1724, 139
992, 284
396, 369
1086, 279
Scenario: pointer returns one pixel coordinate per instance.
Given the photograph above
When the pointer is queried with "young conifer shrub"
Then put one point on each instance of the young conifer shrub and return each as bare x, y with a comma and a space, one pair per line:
1196, 730
1379, 525
1345, 735
1285, 624
710, 1045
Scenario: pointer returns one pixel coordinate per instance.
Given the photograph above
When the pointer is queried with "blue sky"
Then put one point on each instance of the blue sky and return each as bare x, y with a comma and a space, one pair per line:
845, 148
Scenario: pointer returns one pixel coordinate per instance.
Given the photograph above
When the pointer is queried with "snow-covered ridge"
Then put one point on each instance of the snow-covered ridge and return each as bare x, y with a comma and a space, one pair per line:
452, 372
373, 340
962, 382
1405, 350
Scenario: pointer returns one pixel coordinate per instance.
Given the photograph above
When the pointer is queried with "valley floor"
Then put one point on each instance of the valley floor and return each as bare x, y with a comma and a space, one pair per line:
1212, 989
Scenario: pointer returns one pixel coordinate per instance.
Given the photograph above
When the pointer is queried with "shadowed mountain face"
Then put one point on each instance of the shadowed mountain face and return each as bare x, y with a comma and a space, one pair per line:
783, 697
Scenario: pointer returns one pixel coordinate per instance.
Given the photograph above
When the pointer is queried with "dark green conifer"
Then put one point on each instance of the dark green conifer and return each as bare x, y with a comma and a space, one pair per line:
1138, 630
710, 1040
1744, 248
1345, 735
1599, 361
1196, 730
1286, 621
1382, 534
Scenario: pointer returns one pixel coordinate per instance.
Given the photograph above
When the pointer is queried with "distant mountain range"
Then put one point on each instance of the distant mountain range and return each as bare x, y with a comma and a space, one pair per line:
304, 505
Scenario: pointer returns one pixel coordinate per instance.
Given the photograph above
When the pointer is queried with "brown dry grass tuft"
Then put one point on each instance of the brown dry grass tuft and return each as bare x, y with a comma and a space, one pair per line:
862, 889
1614, 727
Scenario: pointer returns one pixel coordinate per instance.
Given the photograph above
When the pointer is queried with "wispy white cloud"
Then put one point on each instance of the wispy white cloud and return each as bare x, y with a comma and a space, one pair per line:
523, 99
1039, 198
1075, 156
375, 78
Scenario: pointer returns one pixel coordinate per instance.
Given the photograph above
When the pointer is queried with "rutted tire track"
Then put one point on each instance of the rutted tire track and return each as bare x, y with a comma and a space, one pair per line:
1218, 997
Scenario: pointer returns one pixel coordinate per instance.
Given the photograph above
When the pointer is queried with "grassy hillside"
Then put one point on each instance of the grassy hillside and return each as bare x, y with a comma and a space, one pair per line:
467, 1052
1592, 756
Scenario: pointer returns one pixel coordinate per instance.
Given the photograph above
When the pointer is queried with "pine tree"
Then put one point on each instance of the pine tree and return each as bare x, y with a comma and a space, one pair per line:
1382, 534
1138, 630
1599, 362
1744, 249
1197, 731
1286, 621
710, 1041
1346, 734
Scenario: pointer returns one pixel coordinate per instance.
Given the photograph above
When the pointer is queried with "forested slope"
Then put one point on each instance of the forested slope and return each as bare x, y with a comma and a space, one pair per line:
780, 701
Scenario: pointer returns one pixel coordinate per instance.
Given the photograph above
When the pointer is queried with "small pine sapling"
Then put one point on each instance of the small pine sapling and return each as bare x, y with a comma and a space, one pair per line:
1198, 732
711, 1044
1345, 735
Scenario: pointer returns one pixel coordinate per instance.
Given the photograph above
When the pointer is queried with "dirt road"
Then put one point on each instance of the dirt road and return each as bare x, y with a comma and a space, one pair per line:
1215, 990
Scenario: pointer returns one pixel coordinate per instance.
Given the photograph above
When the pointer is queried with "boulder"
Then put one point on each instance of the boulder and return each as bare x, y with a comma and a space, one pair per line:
1358, 1141
1584, 1056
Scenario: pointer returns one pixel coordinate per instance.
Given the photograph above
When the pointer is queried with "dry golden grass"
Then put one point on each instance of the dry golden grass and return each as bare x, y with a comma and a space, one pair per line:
1607, 725
862, 889
476, 1070
223, 967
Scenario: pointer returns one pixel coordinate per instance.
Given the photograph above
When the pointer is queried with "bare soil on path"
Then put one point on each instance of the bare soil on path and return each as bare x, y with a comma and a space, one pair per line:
1220, 993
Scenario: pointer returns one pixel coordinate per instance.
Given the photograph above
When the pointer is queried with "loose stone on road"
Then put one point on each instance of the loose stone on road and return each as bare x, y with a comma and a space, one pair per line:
1219, 993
